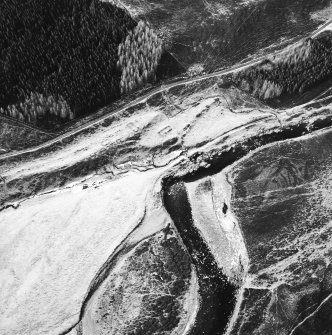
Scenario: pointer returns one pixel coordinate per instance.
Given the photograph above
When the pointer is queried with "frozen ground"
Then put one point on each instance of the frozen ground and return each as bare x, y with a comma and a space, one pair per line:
52, 247
58, 238
281, 198
217, 225
68, 208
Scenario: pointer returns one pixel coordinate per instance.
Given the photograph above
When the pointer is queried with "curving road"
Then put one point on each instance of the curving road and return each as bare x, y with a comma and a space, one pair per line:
150, 94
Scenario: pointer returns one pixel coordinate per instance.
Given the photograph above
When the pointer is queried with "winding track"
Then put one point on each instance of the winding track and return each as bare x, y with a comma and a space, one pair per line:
150, 94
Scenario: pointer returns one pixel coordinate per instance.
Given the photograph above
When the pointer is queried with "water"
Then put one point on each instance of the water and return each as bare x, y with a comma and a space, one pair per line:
217, 294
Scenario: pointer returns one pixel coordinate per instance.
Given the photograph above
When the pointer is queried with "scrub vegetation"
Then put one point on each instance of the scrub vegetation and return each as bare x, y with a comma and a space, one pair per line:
147, 295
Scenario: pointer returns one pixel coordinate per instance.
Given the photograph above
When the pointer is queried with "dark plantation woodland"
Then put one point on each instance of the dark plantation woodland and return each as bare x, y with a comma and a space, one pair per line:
139, 56
292, 72
60, 58
37, 105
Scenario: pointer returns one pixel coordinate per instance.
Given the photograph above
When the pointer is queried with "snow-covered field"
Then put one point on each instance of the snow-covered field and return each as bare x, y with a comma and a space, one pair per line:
79, 200
53, 245
217, 225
